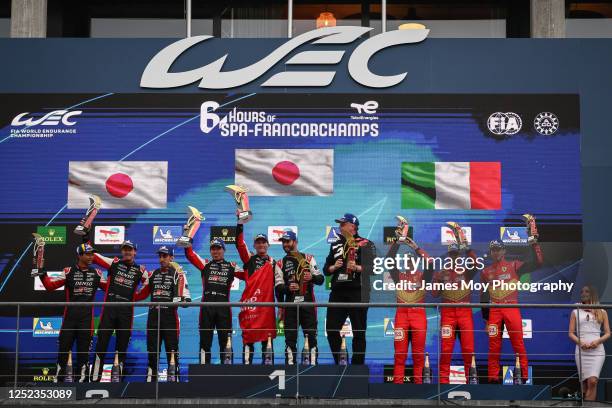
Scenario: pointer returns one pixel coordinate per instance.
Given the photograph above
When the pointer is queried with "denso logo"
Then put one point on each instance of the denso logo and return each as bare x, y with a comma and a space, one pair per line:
157, 75
50, 119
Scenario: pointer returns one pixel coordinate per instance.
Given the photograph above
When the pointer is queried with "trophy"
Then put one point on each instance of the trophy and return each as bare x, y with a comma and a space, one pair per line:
459, 234
532, 229
403, 228
349, 250
302, 267
95, 203
189, 230
239, 193
38, 261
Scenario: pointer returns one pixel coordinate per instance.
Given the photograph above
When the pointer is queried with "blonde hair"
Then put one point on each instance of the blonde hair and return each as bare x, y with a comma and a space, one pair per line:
598, 313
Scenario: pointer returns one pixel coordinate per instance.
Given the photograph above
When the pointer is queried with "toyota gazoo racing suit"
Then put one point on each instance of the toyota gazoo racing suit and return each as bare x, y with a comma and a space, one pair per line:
165, 285
351, 288
410, 322
455, 321
285, 273
507, 272
217, 278
80, 285
123, 280
258, 324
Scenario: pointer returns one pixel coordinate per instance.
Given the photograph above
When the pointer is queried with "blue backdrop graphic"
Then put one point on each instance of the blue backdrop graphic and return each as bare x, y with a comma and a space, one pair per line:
540, 174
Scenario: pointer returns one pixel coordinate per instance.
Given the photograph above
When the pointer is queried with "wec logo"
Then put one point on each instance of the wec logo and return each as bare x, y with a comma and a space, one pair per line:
157, 73
50, 119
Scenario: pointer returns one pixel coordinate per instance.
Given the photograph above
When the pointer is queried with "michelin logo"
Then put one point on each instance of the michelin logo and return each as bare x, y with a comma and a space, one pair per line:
513, 235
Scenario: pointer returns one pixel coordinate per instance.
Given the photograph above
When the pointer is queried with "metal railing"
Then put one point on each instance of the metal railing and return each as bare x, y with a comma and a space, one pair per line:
20, 306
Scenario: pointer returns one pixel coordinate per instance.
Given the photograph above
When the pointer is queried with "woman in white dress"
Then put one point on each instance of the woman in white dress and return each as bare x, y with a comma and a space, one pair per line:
585, 330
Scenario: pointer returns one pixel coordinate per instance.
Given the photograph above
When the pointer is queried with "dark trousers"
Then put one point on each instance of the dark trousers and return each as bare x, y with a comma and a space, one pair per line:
336, 316
211, 318
308, 321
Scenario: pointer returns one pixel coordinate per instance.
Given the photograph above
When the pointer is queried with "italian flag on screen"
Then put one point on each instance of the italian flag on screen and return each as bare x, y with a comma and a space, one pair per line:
451, 185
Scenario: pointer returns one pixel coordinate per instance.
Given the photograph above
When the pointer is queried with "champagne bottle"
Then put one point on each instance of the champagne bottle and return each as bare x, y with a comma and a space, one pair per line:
227, 357
343, 357
246, 351
172, 368
306, 352
473, 372
426, 370
517, 375
269, 353
68, 376
116, 370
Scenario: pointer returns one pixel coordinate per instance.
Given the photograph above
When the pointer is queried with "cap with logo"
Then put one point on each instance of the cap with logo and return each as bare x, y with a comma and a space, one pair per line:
165, 250
84, 248
217, 242
496, 243
129, 244
288, 236
348, 217
261, 236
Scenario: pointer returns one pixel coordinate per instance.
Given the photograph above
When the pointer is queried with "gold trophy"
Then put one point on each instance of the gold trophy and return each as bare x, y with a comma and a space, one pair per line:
402, 229
38, 261
532, 229
95, 203
302, 267
189, 230
239, 193
459, 234
349, 251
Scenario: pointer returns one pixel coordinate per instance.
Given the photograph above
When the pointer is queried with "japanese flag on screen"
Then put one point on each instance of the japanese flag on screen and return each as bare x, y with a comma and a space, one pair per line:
286, 172
137, 184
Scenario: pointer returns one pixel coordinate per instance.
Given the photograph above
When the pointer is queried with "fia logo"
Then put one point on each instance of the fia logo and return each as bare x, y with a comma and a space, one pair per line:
508, 123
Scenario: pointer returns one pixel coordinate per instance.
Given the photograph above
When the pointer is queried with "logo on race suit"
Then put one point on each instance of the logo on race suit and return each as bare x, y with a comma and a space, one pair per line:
389, 327
527, 330
332, 234
508, 123
52, 235
164, 234
45, 126
276, 232
157, 73
457, 374
446, 332
513, 235
447, 236
44, 375
109, 234
46, 326
492, 330
227, 234
508, 374
38, 285
346, 330
546, 123
389, 234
